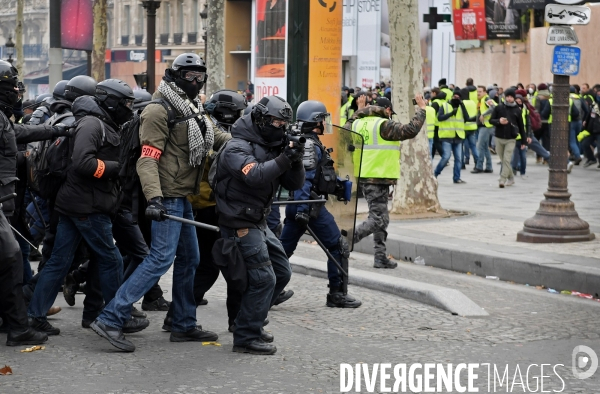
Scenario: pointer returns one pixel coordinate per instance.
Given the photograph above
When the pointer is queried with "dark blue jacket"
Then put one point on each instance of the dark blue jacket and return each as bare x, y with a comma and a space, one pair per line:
249, 173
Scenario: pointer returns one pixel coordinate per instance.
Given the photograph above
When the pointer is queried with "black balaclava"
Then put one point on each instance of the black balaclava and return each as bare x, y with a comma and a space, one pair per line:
9, 96
272, 134
122, 115
191, 89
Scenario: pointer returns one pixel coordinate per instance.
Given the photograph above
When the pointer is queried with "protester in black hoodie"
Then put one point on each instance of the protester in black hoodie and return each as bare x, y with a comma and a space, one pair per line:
507, 119
87, 199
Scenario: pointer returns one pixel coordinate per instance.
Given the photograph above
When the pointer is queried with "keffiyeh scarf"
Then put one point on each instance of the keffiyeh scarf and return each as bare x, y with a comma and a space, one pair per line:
199, 145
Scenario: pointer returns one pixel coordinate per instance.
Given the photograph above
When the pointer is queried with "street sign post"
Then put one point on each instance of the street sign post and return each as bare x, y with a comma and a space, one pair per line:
561, 35
567, 14
566, 60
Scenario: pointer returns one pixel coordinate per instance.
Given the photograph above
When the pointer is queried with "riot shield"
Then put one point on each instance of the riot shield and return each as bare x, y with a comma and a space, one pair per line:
347, 154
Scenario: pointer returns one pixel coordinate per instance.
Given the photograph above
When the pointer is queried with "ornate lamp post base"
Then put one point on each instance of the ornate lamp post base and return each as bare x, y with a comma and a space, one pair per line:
555, 222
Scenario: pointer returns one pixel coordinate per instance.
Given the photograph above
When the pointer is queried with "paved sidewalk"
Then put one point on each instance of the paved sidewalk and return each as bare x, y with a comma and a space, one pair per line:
484, 241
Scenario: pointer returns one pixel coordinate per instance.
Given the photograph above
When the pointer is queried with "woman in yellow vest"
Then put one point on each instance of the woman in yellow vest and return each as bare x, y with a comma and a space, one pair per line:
451, 117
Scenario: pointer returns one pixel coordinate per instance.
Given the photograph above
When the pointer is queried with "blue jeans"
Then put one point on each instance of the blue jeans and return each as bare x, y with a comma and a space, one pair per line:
171, 240
574, 129
451, 146
431, 147
325, 229
587, 146
268, 273
483, 151
519, 159
470, 144
538, 148
96, 230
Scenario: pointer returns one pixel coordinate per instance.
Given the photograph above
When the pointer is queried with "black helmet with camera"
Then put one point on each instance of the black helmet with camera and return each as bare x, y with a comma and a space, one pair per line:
272, 115
226, 106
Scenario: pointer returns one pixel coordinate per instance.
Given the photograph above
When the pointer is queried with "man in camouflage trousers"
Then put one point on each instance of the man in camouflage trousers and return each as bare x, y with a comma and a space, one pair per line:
380, 166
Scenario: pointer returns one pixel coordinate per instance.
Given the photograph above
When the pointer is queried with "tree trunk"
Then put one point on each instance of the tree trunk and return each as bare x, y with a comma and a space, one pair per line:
99, 41
416, 191
215, 51
19, 38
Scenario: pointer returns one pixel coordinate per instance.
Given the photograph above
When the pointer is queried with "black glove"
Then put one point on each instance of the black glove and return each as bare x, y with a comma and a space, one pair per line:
295, 153
302, 219
156, 209
61, 129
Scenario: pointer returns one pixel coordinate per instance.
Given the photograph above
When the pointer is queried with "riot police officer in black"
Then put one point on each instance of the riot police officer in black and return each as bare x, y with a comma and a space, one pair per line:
12, 304
249, 171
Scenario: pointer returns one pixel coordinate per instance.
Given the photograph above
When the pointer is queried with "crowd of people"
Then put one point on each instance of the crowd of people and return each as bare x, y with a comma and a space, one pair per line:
473, 123
115, 186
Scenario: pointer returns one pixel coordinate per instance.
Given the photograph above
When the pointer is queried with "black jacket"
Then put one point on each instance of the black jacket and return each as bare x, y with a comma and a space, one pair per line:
91, 185
515, 122
11, 135
248, 175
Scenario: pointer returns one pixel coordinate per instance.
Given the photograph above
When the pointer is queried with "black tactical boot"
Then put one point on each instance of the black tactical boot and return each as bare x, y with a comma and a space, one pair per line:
385, 263
337, 299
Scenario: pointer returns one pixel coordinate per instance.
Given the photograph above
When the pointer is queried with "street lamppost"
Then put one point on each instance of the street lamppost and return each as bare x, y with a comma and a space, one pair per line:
10, 49
151, 6
203, 22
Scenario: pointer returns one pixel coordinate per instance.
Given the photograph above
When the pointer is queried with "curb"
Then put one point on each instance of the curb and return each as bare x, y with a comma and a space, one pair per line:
450, 300
523, 268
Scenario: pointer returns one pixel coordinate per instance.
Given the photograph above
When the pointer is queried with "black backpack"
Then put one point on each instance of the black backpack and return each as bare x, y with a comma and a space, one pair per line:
56, 162
37, 158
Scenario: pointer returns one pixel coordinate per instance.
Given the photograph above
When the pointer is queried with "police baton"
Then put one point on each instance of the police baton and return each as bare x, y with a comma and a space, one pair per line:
7, 197
192, 222
298, 202
327, 252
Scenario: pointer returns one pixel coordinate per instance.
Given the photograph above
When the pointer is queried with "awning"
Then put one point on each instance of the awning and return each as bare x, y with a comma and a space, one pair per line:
41, 77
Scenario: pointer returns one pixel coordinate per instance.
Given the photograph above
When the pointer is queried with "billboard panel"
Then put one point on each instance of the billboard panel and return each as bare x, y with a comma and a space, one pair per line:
77, 24
325, 56
503, 20
270, 48
369, 43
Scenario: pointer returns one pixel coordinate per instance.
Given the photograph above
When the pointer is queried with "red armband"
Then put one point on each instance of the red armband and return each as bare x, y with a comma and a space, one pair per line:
151, 152
100, 169
247, 168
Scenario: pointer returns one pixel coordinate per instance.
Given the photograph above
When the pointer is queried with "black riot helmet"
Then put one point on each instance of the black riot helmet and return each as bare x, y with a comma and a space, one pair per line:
272, 115
59, 90
142, 98
8, 82
81, 85
226, 106
116, 97
312, 114
188, 71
